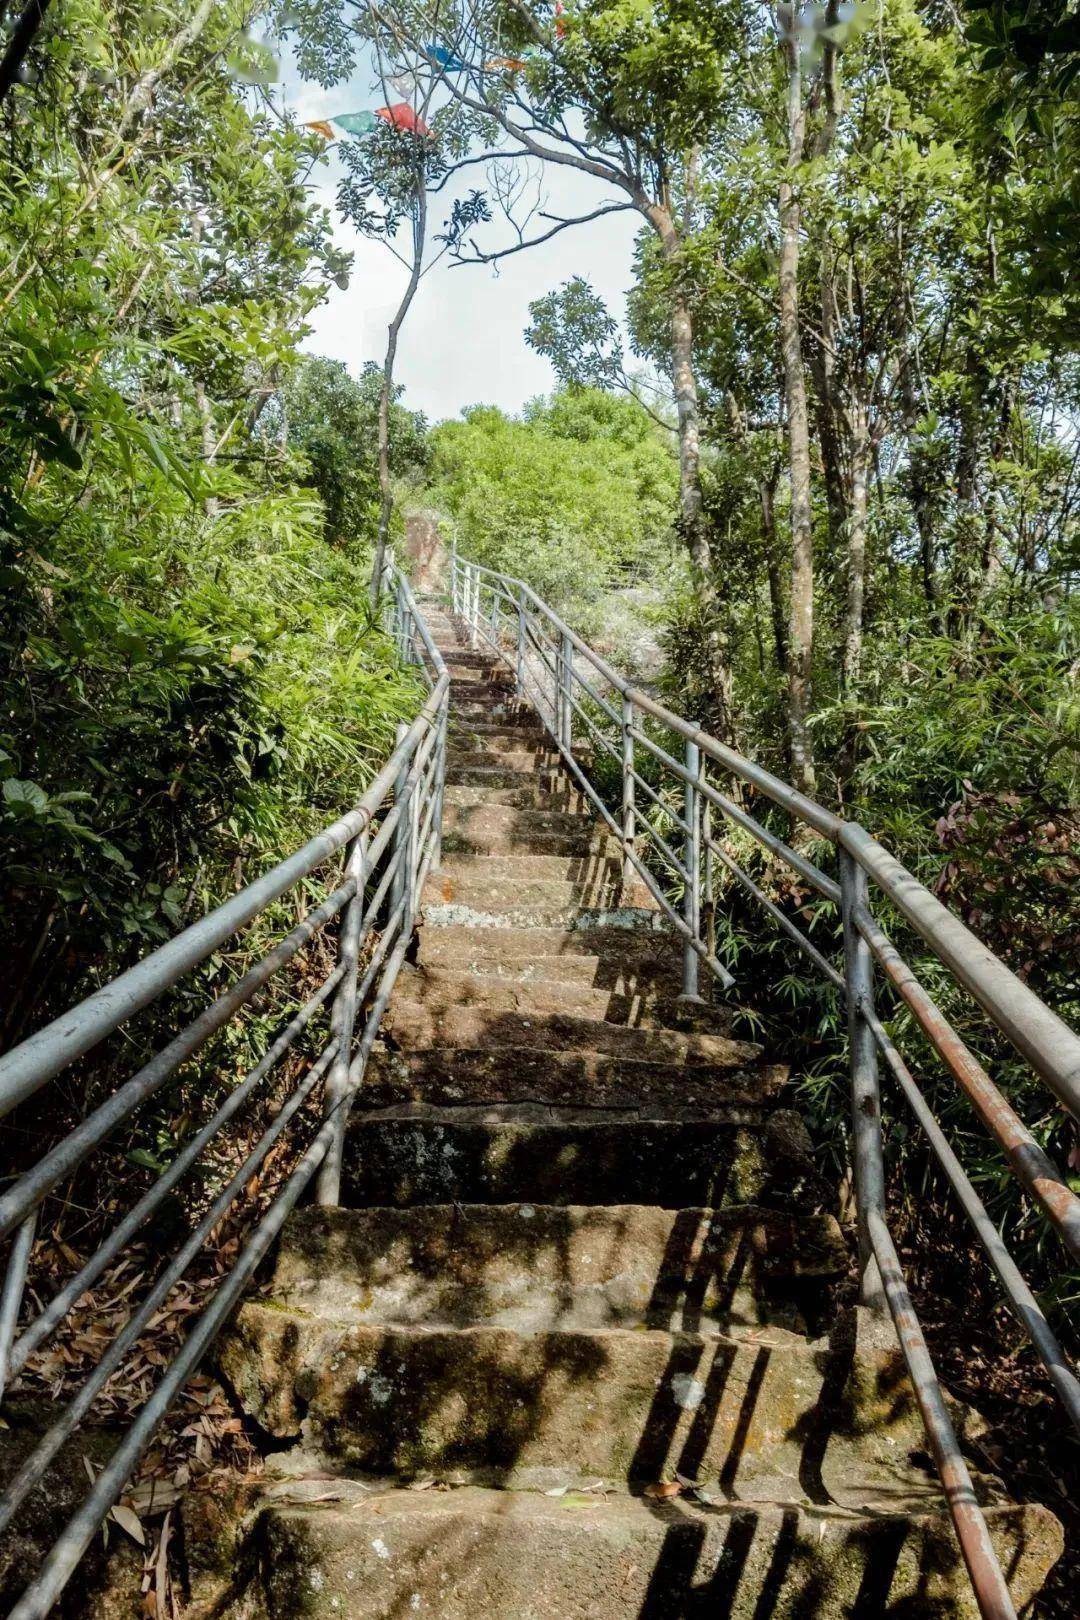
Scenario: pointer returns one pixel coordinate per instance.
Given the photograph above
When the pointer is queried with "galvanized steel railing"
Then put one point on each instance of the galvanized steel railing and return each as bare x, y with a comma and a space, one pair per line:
583, 700
389, 841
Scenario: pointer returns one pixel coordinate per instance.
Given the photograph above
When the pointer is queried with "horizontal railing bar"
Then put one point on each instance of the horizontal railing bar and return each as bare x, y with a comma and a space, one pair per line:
1044, 1039
54, 1312
35, 1465
659, 801
42, 1177
976, 1547
646, 829
1039, 1035
784, 923
1024, 1304
40, 1596
601, 736
1032, 1166
612, 713
44, 1054
812, 874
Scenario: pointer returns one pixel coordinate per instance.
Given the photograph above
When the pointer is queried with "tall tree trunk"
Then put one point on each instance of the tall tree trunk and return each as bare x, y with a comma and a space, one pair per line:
770, 542
692, 524
386, 391
822, 365
856, 549
801, 629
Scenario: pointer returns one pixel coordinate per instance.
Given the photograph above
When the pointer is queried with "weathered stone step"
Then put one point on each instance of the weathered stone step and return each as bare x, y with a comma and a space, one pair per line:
761, 1415
527, 794
531, 1267
624, 957
428, 1022
522, 991
539, 1154
529, 1073
524, 759
475, 1554
548, 778
501, 830
541, 902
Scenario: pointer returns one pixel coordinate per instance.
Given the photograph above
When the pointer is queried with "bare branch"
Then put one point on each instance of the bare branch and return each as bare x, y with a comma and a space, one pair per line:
477, 257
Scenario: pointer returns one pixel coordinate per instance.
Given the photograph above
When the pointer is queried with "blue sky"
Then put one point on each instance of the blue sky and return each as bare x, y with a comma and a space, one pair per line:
463, 342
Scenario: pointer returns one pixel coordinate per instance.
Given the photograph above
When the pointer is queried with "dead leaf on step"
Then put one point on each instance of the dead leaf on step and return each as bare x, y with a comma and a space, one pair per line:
129, 1520
690, 1484
663, 1490
420, 1485
558, 1490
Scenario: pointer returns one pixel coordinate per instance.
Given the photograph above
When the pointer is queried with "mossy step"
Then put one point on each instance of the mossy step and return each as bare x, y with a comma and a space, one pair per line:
473, 1554
531, 1267
523, 794
529, 1073
520, 990
424, 1022
765, 1415
542, 1154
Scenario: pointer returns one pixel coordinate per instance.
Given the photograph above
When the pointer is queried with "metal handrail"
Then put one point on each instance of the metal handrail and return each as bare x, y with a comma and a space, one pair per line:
1052, 1049
389, 841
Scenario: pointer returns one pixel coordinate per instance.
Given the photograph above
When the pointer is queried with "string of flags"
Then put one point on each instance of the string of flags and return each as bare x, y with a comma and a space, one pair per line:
400, 114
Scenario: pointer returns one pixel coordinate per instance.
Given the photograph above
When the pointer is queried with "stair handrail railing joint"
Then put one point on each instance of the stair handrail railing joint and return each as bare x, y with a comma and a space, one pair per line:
1042, 1038
388, 841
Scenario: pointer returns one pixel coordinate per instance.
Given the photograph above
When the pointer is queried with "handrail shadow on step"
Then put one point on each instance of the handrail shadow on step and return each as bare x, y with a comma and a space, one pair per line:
601, 715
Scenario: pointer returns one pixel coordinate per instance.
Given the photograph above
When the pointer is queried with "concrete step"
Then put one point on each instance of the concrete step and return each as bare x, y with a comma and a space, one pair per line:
528, 1073
622, 958
489, 1024
525, 793
539, 903
525, 759
760, 1415
487, 829
535, 1267
548, 777
507, 1153
522, 991
476, 1554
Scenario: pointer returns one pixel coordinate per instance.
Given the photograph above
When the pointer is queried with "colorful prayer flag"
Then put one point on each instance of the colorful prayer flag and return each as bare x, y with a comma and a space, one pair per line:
361, 123
321, 127
511, 64
445, 59
402, 116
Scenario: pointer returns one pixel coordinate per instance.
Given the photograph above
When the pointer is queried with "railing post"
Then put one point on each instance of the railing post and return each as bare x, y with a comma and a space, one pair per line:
866, 1147
473, 612
629, 822
519, 667
566, 681
692, 862
453, 579
342, 1024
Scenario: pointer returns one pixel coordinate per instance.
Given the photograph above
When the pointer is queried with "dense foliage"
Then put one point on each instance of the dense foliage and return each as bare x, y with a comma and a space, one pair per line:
191, 677
576, 496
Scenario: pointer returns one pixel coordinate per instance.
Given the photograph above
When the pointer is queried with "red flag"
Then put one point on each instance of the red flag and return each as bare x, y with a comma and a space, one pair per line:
402, 116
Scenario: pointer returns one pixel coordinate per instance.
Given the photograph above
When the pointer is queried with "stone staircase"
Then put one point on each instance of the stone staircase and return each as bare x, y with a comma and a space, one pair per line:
572, 1347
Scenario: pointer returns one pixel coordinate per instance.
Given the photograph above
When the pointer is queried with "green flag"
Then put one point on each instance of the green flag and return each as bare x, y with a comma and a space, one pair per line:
361, 123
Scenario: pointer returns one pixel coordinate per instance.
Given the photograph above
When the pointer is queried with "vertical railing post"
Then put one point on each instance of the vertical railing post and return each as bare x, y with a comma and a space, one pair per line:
440, 781
14, 1287
708, 909
474, 602
342, 1024
519, 667
692, 863
399, 842
629, 815
866, 1145
454, 603
566, 682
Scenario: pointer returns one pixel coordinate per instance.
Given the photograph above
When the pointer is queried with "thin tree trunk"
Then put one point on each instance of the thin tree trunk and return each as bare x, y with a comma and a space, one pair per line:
386, 392
801, 629
856, 549
767, 493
